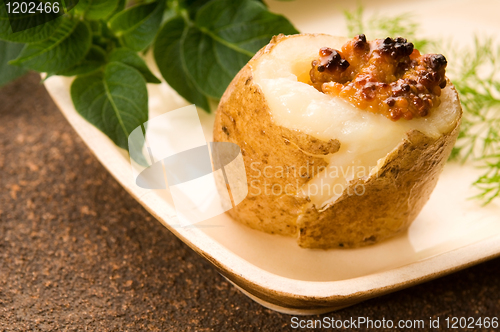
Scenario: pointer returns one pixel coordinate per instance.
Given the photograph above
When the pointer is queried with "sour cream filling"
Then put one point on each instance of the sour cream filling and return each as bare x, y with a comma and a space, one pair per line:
366, 138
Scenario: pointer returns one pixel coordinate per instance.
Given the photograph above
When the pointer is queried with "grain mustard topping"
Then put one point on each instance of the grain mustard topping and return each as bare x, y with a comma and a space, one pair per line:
385, 76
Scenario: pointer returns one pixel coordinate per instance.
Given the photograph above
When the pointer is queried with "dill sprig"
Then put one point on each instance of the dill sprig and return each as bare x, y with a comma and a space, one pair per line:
475, 72
489, 182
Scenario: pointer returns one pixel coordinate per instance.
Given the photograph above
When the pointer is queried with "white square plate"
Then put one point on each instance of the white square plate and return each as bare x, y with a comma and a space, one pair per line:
451, 233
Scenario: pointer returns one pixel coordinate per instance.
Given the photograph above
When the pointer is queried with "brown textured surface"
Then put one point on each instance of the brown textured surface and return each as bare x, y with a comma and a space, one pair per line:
78, 253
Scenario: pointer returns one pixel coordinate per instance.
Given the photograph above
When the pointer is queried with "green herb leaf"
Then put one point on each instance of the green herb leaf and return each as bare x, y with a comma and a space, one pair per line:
64, 49
97, 9
131, 58
210, 65
115, 100
199, 50
377, 26
167, 53
95, 59
475, 74
225, 36
9, 51
36, 34
119, 8
136, 27
489, 182
192, 6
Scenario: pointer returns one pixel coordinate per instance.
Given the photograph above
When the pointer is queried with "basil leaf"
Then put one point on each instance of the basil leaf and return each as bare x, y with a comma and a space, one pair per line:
9, 51
97, 9
115, 100
131, 58
167, 53
94, 59
226, 34
64, 49
69, 4
192, 6
136, 27
242, 25
120, 6
32, 35
210, 65
96, 28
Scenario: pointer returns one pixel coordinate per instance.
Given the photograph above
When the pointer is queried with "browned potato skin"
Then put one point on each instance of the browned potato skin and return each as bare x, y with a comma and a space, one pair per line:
391, 201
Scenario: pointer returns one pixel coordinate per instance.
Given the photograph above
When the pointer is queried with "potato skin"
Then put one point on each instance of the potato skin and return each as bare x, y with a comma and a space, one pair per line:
391, 201
244, 118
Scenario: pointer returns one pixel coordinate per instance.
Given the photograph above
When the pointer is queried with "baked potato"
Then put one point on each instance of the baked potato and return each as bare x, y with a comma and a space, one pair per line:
343, 140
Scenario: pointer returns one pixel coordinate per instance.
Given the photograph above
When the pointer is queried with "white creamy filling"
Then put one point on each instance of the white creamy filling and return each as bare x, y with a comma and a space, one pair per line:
365, 137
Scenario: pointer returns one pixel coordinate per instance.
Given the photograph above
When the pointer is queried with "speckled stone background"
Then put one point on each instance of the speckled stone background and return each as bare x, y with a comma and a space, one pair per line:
77, 253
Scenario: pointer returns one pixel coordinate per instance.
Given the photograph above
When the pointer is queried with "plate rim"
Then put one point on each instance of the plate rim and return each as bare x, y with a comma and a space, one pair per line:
287, 293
